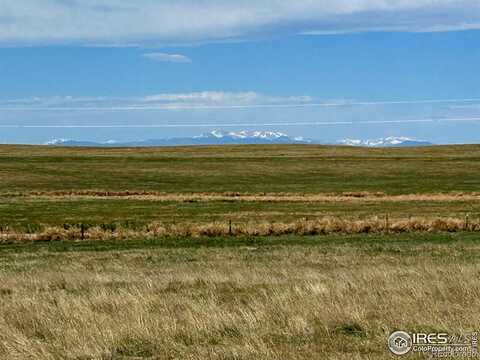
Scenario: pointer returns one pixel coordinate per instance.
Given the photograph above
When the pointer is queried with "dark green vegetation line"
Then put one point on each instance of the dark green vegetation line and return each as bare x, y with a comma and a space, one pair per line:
392, 243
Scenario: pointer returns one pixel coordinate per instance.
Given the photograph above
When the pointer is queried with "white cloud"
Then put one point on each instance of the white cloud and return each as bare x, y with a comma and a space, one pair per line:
205, 97
247, 124
143, 22
163, 57
166, 101
204, 100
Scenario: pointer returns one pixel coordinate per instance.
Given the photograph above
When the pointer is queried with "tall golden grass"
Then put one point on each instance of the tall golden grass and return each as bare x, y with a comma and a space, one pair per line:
334, 301
322, 226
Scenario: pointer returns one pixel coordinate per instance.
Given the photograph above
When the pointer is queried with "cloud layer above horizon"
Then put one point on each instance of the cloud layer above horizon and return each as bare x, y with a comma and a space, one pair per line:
156, 23
208, 100
162, 101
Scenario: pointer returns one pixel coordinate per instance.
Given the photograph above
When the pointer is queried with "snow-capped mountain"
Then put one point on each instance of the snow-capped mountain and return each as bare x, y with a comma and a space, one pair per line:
55, 142
215, 137
255, 136
219, 134
392, 141
67, 142
219, 137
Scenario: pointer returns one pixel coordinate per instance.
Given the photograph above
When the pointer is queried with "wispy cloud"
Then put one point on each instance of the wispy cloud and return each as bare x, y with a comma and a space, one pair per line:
240, 124
465, 107
206, 100
163, 57
205, 97
163, 101
143, 22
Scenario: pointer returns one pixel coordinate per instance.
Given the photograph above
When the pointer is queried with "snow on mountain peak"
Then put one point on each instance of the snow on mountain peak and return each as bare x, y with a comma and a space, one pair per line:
56, 142
217, 133
384, 142
266, 135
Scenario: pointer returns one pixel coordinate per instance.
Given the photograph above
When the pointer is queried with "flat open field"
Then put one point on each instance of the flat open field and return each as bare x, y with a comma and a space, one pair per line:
54, 186
399, 250
255, 169
317, 297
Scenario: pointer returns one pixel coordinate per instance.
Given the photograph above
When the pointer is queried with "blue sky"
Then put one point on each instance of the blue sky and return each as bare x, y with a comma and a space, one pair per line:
100, 70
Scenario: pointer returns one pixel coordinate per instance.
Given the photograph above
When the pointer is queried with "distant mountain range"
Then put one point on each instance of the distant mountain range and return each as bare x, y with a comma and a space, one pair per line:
391, 141
215, 137
218, 137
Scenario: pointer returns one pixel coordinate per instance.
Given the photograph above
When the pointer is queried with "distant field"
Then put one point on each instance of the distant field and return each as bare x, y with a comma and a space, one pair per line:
291, 168
20, 213
240, 169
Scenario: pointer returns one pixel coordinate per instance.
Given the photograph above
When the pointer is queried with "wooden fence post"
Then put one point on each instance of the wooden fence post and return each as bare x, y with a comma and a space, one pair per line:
387, 225
230, 227
82, 231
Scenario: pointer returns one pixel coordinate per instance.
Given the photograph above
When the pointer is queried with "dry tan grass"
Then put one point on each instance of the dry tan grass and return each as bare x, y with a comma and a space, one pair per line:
254, 197
329, 302
321, 226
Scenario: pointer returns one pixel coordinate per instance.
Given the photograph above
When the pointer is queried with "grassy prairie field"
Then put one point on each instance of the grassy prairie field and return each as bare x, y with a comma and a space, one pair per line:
239, 169
332, 296
295, 168
327, 297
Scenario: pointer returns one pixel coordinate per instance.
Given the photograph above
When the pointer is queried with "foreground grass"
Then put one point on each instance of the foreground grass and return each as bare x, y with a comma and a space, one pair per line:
315, 297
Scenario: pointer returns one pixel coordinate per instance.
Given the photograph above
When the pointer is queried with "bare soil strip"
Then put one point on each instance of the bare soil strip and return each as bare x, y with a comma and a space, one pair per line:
247, 197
